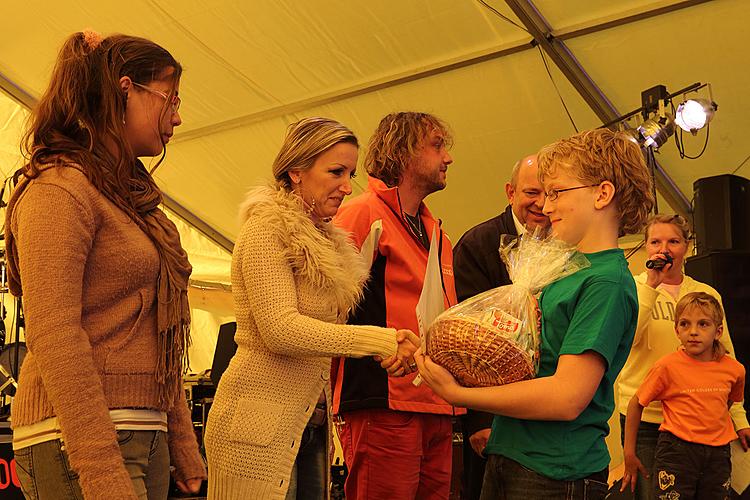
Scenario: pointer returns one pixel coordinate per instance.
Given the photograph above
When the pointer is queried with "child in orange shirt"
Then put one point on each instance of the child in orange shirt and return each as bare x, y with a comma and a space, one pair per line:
696, 386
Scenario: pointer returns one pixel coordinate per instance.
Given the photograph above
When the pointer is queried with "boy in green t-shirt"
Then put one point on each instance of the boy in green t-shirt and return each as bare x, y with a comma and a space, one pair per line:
547, 439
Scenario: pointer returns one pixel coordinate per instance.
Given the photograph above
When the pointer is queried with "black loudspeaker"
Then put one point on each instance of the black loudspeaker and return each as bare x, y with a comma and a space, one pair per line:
225, 349
722, 213
729, 273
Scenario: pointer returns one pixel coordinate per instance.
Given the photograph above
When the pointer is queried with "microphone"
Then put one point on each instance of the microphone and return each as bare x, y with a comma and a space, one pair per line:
659, 263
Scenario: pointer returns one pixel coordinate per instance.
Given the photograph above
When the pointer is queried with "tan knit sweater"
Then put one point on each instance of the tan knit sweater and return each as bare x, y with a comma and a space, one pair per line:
292, 283
89, 275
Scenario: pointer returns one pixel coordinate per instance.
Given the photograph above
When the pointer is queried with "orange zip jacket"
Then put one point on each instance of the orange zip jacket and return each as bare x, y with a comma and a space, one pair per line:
399, 261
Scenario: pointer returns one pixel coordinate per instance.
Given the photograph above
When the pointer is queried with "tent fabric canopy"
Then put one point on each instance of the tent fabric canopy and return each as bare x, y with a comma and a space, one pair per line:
251, 68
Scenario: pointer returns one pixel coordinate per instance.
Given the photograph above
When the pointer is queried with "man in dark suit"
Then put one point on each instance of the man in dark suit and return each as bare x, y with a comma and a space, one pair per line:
478, 267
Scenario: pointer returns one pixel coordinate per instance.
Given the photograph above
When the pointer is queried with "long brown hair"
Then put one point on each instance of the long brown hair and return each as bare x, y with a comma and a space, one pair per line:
82, 113
79, 123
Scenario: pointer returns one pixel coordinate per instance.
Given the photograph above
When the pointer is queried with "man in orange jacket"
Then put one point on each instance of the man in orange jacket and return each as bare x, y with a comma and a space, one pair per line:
396, 437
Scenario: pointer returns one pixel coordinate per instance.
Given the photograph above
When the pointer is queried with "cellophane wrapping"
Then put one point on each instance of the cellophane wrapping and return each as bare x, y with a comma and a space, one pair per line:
493, 338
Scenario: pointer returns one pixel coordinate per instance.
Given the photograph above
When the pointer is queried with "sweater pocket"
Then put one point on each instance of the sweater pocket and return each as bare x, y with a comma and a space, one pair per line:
255, 422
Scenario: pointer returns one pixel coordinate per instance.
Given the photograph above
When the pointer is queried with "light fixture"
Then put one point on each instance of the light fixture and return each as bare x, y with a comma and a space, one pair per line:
633, 135
655, 131
693, 114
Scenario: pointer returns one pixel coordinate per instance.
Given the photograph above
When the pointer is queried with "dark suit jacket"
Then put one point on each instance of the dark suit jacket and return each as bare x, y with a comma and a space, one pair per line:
477, 267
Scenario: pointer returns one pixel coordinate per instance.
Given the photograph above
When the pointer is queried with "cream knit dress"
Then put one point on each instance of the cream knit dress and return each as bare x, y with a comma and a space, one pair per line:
293, 284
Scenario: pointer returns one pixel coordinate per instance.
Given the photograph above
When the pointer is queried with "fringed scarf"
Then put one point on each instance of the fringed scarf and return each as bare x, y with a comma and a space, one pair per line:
173, 310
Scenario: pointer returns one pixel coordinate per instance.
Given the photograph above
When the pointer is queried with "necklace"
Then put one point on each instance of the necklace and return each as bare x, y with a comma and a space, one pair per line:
416, 227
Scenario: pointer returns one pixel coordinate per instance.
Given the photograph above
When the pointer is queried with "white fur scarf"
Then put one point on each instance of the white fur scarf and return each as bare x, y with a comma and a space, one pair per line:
322, 255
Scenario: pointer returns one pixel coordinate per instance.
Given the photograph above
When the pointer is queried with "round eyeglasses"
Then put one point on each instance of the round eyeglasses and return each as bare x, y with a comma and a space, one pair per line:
553, 194
176, 101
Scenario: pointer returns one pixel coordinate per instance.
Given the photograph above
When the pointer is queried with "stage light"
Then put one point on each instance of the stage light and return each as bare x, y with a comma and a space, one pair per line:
656, 131
633, 135
693, 114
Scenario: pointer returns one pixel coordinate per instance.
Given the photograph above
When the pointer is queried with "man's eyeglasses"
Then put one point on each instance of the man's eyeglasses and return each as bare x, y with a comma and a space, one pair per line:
552, 194
176, 101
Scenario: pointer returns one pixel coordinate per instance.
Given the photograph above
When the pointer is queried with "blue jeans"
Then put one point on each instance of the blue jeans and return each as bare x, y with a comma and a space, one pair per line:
506, 479
645, 450
45, 473
308, 481
690, 471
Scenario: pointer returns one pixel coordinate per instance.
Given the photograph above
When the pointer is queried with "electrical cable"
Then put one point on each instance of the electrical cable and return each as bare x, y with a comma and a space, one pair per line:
635, 249
503, 17
740, 165
541, 53
562, 101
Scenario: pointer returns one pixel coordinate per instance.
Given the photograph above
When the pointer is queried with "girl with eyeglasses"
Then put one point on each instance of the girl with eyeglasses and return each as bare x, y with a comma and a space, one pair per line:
100, 412
659, 289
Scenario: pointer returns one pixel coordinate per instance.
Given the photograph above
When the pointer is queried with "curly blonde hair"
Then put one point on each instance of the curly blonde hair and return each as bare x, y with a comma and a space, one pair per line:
600, 155
396, 141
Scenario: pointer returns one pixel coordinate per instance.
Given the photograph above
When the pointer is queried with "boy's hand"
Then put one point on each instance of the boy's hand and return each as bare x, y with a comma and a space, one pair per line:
438, 378
743, 436
479, 440
632, 466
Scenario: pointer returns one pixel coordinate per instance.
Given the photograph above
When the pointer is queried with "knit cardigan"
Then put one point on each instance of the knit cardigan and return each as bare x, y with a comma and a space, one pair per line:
294, 283
88, 277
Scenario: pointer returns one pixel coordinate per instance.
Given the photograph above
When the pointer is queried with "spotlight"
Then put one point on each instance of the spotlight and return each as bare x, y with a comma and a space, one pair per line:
632, 134
693, 114
656, 131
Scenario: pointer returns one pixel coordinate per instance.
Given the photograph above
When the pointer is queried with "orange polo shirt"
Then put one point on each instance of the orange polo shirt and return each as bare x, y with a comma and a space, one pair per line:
695, 396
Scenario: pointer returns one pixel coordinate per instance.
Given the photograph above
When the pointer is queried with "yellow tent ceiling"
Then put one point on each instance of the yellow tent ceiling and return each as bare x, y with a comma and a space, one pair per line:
252, 67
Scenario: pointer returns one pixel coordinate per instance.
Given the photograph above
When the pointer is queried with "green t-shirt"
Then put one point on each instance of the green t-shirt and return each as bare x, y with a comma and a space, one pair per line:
594, 309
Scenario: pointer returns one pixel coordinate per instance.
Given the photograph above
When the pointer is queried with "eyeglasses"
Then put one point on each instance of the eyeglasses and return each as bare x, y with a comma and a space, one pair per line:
552, 194
176, 101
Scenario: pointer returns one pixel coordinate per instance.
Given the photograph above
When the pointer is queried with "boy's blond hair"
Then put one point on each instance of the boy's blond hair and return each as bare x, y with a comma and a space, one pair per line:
599, 155
708, 304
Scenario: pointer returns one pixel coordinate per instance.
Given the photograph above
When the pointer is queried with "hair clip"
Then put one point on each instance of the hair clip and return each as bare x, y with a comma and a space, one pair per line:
92, 38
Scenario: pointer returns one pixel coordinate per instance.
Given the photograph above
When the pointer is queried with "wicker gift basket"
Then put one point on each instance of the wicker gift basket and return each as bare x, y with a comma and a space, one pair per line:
493, 338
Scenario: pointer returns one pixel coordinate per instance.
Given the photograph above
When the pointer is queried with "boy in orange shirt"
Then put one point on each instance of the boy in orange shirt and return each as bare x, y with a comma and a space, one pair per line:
696, 386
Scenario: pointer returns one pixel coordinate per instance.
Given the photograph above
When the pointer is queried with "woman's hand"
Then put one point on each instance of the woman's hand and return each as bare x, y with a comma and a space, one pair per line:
438, 378
655, 277
743, 436
192, 485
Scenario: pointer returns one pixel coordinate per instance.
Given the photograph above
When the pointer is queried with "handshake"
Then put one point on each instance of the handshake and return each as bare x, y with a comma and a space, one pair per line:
402, 363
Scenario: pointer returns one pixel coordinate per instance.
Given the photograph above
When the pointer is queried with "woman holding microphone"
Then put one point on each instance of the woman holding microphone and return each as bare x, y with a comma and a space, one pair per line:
660, 287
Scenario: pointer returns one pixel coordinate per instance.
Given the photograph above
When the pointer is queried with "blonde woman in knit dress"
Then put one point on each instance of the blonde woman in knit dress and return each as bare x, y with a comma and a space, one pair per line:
295, 278
100, 412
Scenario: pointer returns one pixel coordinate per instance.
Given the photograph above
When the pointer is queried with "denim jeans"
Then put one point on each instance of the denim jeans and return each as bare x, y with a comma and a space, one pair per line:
688, 471
645, 449
45, 473
308, 481
506, 479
